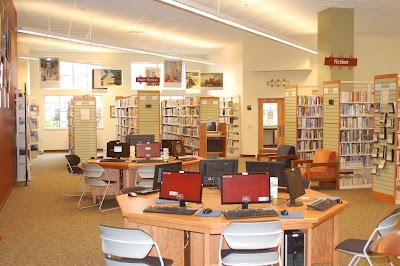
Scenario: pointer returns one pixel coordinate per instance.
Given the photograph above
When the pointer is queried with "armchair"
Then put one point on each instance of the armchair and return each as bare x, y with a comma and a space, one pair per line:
285, 154
324, 168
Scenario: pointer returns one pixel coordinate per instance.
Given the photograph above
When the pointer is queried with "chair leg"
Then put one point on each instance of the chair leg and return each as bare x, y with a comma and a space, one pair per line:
66, 185
102, 200
354, 261
88, 206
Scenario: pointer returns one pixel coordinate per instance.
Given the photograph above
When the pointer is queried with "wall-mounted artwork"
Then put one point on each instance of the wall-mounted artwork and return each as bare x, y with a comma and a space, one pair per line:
212, 81
192, 79
49, 72
172, 74
103, 78
153, 76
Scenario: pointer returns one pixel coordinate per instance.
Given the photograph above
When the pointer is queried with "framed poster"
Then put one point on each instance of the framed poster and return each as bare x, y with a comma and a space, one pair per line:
173, 73
192, 79
153, 76
213, 81
103, 78
49, 72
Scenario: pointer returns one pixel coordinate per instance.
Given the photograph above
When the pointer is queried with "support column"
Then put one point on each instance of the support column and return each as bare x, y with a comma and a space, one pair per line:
335, 37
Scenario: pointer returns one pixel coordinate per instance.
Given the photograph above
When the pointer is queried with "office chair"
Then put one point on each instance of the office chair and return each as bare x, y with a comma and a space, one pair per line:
360, 248
285, 154
145, 175
74, 170
251, 243
124, 246
93, 174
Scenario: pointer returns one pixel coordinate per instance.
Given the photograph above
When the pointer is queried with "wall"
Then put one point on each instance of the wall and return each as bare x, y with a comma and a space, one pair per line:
7, 115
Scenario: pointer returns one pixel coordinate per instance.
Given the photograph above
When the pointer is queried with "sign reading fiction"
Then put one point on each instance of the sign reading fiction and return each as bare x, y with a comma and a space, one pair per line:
341, 61
150, 80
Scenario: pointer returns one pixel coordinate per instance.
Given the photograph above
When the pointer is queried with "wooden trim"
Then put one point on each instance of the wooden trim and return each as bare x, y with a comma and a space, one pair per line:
331, 82
383, 197
386, 76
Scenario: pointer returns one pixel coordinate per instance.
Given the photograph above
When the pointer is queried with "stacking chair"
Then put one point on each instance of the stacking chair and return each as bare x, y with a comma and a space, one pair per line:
254, 243
360, 248
74, 170
92, 174
124, 246
285, 154
145, 175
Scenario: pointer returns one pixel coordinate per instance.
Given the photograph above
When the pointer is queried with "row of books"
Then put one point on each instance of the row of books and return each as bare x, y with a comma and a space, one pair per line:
308, 145
131, 101
356, 122
226, 104
186, 101
306, 155
355, 148
309, 111
356, 135
182, 121
309, 122
356, 109
309, 134
228, 120
228, 112
127, 122
383, 152
354, 96
309, 100
181, 130
355, 162
182, 111
127, 112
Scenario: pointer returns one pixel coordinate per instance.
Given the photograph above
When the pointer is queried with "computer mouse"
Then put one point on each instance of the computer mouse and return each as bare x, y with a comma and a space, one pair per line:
207, 210
284, 212
339, 201
132, 194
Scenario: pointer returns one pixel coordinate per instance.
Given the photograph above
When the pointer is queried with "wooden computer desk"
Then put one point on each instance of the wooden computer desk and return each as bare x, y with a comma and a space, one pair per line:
169, 230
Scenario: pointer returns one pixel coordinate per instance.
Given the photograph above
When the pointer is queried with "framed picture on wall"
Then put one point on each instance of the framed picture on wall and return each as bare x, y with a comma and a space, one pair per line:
103, 78
112, 111
192, 79
212, 81
49, 72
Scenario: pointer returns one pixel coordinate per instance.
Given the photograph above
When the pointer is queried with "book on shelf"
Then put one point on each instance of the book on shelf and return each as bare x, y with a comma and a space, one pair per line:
390, 122
382, 133
381, 164
390, 138
382, 118
375, 153
375, 137
374, 169
390, 155
391, 108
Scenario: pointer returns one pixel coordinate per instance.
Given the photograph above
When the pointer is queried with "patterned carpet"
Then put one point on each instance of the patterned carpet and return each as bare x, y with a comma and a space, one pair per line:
40, 226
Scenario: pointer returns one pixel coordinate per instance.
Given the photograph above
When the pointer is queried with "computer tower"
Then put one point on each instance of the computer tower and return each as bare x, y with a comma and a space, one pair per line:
295, 248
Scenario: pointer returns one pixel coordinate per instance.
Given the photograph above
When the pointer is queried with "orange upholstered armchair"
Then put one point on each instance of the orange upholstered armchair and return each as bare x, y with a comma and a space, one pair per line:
324, 168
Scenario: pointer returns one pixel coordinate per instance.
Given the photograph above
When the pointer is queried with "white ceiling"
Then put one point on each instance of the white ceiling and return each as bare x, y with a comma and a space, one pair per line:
153, 26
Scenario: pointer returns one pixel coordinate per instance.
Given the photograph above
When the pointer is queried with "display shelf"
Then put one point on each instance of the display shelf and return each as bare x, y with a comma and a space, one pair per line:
138, 114
22, 138
34, 127
290, 115
212, 145
229, 113
348, 129
82, 127
386, 182
181, 119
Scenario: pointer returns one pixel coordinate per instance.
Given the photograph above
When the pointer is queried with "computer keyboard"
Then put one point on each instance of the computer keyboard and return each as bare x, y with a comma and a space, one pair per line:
151, 161
113, 160
249, 213
187, 159
170, 210
322, 204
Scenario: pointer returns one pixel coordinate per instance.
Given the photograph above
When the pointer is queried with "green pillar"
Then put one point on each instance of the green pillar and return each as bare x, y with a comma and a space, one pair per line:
335, 37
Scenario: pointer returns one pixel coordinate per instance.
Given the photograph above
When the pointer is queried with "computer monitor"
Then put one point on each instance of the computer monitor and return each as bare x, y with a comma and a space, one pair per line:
181, 185
213, 169
158, 172
177, 149
294, 186
148, 150
132, 140
167, 143
117, 149
211, 126
244, 188
273, 168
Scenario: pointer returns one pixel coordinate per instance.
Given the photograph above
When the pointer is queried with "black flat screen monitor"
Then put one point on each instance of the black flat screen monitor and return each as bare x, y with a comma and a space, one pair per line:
132, 140
213, 169
148, 150
158, 172
117, 149
244, 188
273, 168
184, 186
176, 147
294, 186
211, 126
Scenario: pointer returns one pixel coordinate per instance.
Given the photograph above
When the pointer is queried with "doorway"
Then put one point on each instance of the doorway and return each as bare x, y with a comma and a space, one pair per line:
271, 114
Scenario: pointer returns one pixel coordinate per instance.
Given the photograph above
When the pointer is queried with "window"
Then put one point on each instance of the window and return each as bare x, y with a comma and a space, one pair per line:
76, 76
270, 114
56, 111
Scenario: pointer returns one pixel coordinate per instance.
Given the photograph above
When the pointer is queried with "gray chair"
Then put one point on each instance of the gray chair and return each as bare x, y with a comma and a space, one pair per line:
360, 248
124, 246
284, 154
74, 170
93, 174
252, 243
145, 175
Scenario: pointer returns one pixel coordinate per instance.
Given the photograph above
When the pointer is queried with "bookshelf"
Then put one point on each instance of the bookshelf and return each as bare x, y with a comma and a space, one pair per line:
290, 115
34, 127
212, 145
348, 130
82, 127
386, 163
229, 113
138, 114
181, 119
23, 138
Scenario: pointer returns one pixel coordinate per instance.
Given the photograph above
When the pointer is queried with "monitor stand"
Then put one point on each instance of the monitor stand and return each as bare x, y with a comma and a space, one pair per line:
182, 203
294, 203
245, 205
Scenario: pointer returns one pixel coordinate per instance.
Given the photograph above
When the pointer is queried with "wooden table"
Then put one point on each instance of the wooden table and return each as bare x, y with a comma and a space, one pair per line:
169, 230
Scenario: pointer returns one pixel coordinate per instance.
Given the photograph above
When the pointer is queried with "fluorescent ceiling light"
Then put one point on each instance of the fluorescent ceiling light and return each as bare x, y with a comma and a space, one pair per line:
41, 33
28, 57
201, 10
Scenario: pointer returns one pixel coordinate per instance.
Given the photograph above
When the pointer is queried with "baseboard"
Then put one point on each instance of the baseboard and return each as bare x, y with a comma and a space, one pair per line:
55, 151
247, 155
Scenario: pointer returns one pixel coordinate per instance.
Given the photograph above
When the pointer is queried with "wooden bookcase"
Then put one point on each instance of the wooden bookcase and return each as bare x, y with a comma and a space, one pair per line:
82, 127
348, 130
215, 140
138, 114
229, 113
181, 119
386, 180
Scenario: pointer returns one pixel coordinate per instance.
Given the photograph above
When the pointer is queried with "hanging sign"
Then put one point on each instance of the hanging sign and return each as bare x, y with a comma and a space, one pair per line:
148, 80
341, 61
